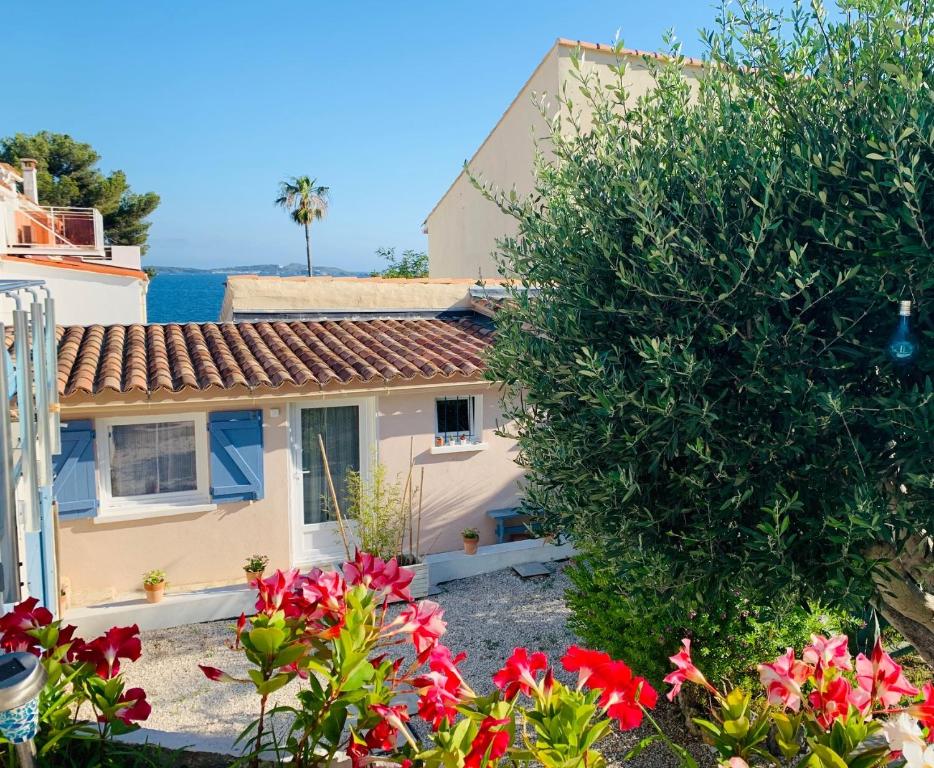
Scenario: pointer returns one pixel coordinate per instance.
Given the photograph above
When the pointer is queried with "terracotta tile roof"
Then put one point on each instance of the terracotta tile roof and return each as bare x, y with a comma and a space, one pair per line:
266, 355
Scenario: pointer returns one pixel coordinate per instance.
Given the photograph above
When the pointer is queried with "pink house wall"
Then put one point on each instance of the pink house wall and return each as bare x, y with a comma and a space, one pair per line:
100, 561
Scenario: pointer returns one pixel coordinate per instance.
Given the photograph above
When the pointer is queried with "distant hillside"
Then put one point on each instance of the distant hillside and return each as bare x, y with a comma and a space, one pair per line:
281, 270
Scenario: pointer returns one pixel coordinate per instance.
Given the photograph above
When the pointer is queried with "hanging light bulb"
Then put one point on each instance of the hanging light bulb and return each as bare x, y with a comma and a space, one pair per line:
903, 346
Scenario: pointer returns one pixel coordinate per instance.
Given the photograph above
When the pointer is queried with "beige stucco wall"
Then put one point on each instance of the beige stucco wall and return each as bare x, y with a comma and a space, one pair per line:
102, 561
251, 293
463, 227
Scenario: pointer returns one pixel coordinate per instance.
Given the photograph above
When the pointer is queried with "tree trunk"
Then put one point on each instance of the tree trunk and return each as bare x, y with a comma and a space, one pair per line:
308, 246
904, 581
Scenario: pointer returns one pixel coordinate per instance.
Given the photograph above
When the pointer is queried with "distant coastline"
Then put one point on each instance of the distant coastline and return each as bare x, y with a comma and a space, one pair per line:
280, 270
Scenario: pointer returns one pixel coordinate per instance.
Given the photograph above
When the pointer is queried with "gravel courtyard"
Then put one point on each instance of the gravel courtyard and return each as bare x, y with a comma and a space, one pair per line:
487, 617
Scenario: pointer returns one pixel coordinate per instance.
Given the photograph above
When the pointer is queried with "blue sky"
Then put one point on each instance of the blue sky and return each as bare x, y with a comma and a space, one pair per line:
210, 104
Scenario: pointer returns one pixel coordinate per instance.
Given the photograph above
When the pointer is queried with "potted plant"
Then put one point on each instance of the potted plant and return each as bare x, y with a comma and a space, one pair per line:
254, 567
439, 441
387, 517
471, 537
154, 584
463, 439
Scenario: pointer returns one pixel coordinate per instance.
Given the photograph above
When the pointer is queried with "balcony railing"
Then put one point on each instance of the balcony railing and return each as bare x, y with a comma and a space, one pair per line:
53, 230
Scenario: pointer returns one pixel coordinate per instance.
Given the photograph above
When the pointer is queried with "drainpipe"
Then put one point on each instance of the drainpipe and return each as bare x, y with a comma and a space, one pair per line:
30, 186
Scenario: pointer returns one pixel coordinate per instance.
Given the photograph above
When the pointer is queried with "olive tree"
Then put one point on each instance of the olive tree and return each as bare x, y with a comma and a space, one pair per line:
700, 386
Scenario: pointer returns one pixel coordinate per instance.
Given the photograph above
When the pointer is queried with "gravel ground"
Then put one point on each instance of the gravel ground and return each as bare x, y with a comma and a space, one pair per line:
487, 616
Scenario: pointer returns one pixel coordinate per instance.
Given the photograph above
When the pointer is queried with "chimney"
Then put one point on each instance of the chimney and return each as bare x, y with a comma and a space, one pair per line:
30, 189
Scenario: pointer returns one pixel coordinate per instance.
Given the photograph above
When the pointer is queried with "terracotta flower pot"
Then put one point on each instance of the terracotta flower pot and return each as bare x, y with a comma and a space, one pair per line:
252, 576
154, 592
470, 545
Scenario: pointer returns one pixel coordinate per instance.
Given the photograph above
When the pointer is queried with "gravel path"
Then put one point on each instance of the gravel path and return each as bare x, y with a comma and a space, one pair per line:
487, 616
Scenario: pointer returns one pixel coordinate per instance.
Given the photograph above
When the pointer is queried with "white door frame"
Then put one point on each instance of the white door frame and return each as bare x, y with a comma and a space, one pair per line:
301, 554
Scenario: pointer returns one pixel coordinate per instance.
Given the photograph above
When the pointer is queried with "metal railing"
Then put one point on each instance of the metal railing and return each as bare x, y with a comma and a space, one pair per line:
39, 227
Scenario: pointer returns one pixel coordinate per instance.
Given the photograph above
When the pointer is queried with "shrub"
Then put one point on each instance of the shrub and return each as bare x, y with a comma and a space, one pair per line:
730, 636
85, 701
700, 387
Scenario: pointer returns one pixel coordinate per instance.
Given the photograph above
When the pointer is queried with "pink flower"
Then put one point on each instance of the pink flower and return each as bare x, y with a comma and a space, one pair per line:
386, 578
624, 694
106, 651
924, 709
490, 743
326, 590
425, 623
583, 661
685, 671
833, 652
132, 705
441, 689
241, 625
783, 678
519, 672
215, 674
882, 678
279, 593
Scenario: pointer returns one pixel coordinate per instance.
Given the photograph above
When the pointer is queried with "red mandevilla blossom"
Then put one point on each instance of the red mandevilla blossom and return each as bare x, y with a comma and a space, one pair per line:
490, 743
134, 707
385, 734
325, 590
26, 615
424, 621
624, 694
685, 671
832, 652
832, 698
924, 710
783, 679
279, 593
106, 651
583, 661
385, 578
882, 678
215, 674
441, 689
518, 674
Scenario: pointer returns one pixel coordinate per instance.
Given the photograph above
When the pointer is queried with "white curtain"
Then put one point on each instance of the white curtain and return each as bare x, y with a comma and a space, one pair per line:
152, 458
340, 428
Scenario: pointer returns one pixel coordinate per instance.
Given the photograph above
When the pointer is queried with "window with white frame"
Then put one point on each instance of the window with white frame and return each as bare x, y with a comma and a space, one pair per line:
153, 460
458, 420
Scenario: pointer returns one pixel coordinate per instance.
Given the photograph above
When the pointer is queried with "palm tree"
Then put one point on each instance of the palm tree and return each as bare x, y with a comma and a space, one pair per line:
306, 202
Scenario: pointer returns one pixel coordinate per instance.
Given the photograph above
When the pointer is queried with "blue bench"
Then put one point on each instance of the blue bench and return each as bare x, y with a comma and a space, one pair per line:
509, 521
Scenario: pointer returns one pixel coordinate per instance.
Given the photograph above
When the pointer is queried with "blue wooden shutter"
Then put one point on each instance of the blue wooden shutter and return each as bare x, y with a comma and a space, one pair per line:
236, 455
74, 484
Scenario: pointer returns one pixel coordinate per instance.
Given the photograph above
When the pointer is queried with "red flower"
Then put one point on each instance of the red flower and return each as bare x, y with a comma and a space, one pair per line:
685, 671
215, 674
106, 651
882, 678
441, 689
624, 694
132, 705
66, 637
490, 743
26, 615
241, 625
326, 590
386, 733
519, 672
425, 622
831, 699
583, 661
924, 709
357, 752
783, 679
386, 578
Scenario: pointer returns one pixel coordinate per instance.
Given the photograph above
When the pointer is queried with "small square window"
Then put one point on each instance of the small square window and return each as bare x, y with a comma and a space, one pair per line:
457, 419
152, 458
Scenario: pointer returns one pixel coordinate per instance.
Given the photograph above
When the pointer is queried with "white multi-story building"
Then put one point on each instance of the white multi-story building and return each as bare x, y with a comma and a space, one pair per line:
92, 282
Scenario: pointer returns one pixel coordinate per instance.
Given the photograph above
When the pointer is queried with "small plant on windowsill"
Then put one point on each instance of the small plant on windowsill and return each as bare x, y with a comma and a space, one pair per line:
471, 538
255, 567
154, 585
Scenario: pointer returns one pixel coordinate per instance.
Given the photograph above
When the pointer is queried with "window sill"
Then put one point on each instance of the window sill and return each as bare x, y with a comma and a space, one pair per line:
129, 514
466, 448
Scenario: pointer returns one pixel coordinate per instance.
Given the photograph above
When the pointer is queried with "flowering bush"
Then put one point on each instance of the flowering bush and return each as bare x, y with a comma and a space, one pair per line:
85, 696
361, 666
822, 705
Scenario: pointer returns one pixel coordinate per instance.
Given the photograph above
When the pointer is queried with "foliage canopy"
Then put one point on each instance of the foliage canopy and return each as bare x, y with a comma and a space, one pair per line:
700, 390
